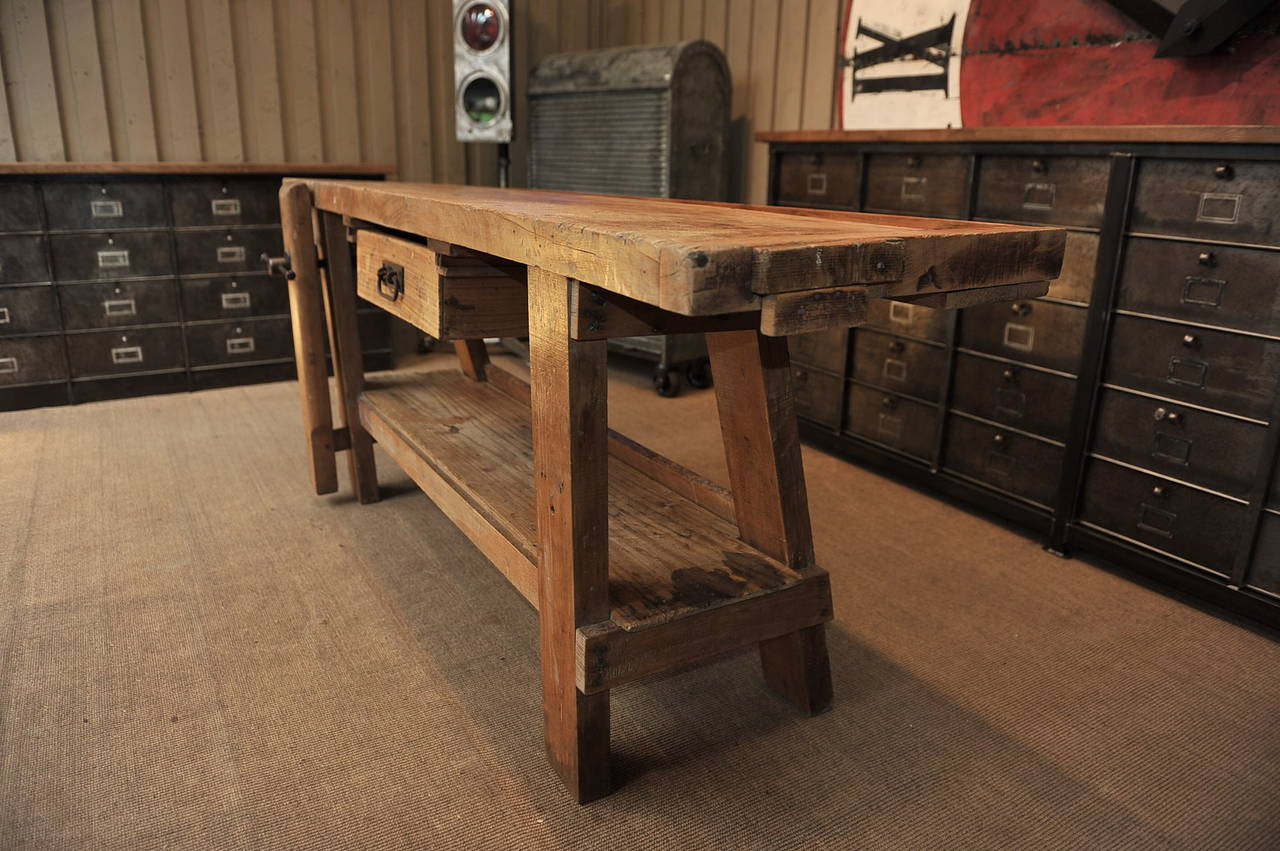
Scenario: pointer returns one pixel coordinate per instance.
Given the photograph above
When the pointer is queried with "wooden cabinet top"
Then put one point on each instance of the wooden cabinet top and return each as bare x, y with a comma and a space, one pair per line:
197, 168
699, 258
1239, 134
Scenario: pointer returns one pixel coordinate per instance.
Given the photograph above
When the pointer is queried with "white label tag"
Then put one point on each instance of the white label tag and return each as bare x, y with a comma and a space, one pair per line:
106, 209
231, 254
225, 206
120, 307
113, 259
235, 301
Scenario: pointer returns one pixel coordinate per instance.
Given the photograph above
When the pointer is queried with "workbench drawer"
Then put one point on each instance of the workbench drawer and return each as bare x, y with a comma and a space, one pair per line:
1048, 190
104, 205
913, 320
115, 352
1014, 395
27, 360
1265, 573
218, 202
895, 421
1172, 517
829, 180
226, 252
919, 184
23, 260
114, 304
1079, 264
1215, 451
1215, 284
1230, 200
217, 343
28, 310
19, 207
896, 363
234, 297
817, 395
1215, 369
1013, 463
98, 256
1031, 331
823, 349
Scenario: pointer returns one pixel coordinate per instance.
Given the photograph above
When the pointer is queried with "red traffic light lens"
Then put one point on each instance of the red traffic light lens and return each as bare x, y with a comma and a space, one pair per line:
481, 26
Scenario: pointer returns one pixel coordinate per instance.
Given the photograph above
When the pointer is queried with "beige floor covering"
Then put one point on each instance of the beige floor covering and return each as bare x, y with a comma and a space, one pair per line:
197, 652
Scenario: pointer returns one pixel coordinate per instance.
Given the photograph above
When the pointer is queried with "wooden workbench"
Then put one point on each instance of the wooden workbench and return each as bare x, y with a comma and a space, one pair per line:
637, 567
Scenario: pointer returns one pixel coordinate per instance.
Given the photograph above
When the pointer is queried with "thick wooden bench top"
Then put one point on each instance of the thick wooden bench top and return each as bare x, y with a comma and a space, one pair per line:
700, 258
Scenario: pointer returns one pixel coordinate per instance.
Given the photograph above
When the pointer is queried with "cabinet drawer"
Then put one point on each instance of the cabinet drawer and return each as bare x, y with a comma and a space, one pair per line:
1078, 267
894, 421
214, 252
116, 304
104, 205
93, 256
19, 207
1017, 396
823, 349
115, 352
1035, 332
1180, 520
910, 319
28, 310
233, 298
1013, 463
1206, 449
25, 360
1231, 200
817, 395
923, 184
1216, 369
23, 260
894, 363
1050, 190
1265, 573
819, 178
233, 201
1215, 284
219, 343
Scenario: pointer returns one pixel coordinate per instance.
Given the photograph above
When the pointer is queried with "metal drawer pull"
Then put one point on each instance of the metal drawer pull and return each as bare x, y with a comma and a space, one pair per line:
1010, 374
1191, 341
913, 161
8, 366
897, 347
106, 209
1039, 166
235, 301
4, 316
1218, 208
1224, 172
998, 437
390, 281
115, 258
231, 254
1158, 490
239, 345
800, 375
225, 206
1164, 415
913, 188
120, 307
817, 184
1020, 308
889, 402
126, 354
1206, 258
1039, 196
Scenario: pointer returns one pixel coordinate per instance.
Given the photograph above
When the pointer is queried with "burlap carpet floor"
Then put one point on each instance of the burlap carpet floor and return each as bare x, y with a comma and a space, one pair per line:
198, 652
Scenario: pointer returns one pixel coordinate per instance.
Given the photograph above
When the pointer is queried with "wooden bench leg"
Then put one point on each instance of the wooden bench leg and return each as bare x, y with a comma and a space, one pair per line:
306, 308
568, 397
348, 355
472, 357
766, 472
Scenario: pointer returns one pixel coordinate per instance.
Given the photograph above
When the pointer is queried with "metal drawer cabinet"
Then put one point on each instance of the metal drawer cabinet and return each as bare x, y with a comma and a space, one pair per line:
117, 304
98, 256
894, 363
1078, 267
1013, 463
1014, 395
823, 349
221, 202
1265, 571
819, 179
1035, 332
817, 395
891, 420
23, 260
104, 205
1050, 190
27, 360
1215, 284
912, 320
233, 297
249, 340
28, 310
1230, 200
1175, 518
1216, 369
95, 353
1212, 450
921, 184
19, 207
226, 252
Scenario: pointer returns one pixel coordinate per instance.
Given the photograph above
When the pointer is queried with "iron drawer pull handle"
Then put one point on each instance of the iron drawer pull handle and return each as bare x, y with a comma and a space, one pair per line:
889, 402
1224, 172
998, 438
897, 347
1165, 415
1191, 341
1020, 308
1010, 373
1039, 166
913, 161
390, 281
1158, 490
1206, 258
800, 375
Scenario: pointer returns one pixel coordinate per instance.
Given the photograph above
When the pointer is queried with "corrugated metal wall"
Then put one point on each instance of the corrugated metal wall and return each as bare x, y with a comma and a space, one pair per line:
357, 80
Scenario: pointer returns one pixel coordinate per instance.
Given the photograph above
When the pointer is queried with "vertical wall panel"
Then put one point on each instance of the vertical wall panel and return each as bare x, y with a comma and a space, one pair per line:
818, 112
412, 83
172, 80
764, 65
257, 79
7, 150
449, 154
77, 68
295, 25
213, 58
691, 20
33, 95
128, 83
336, 61
788, 82
715, 22
738, 52
373, 64
654, 12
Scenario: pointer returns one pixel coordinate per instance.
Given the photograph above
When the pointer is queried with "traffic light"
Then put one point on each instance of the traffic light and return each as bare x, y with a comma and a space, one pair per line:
482, 70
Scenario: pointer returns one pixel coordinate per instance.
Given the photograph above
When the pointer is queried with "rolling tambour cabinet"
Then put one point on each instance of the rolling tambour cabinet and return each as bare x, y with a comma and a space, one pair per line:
1132, 411
124, 279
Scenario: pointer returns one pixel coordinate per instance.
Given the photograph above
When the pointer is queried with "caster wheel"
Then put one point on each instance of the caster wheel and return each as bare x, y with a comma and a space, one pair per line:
666, 382
698, 373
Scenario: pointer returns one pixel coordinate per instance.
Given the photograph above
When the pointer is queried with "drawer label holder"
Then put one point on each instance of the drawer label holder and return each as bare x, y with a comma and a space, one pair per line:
113, 258
235, 301
120, 307
8, 366
126, 354
106, 209
230, 254
225, 206
1219, 208
1206, 292
817, 183
4, 316
240, 345
1038, 196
